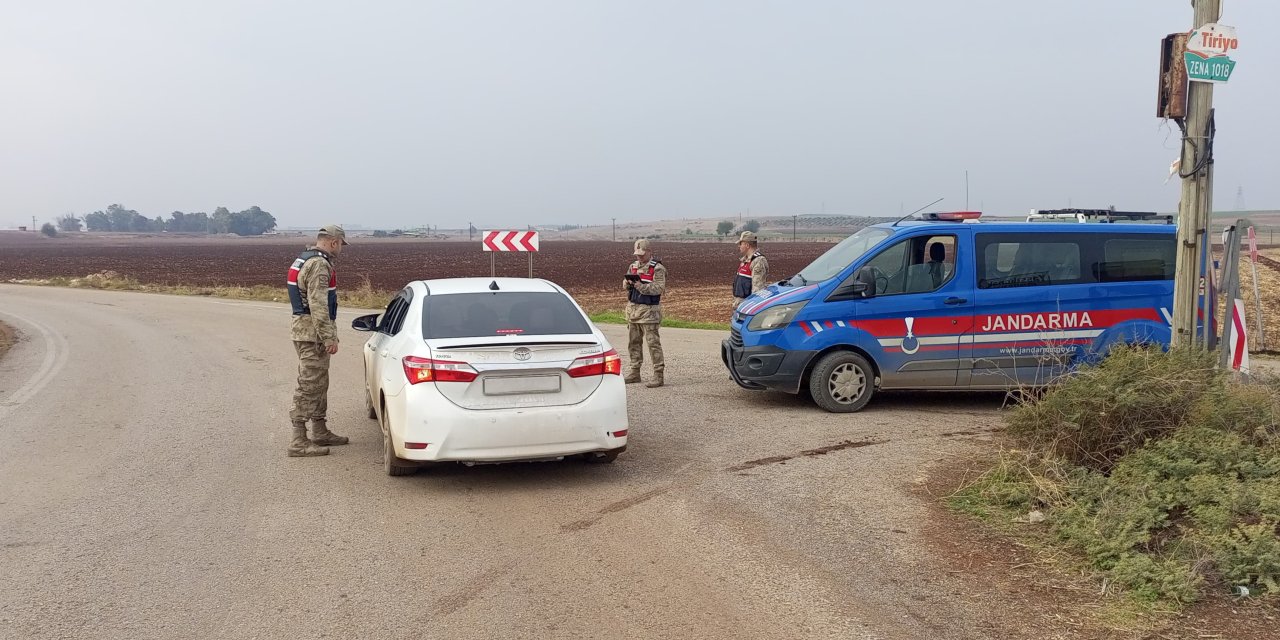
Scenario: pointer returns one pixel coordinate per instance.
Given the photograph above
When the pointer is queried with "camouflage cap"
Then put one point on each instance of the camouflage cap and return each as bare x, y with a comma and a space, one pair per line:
748, 236
642, 247
334, 231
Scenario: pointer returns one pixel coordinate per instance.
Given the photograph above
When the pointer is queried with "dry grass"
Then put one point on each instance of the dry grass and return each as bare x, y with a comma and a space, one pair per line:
1268, 287
1103, 412
604, 307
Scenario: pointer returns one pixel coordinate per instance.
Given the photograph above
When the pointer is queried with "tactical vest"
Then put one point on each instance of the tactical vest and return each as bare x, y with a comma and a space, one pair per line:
742, 283
300, 305
646, 276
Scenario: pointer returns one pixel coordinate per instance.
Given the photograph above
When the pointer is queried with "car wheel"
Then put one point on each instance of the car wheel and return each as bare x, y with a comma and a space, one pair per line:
390, 463
368, 406
842, 382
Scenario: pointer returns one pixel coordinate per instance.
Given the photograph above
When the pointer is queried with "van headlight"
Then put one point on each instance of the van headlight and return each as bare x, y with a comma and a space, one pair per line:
775, 317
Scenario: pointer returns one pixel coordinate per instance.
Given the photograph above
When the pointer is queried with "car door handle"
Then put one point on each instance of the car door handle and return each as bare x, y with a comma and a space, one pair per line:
955, 300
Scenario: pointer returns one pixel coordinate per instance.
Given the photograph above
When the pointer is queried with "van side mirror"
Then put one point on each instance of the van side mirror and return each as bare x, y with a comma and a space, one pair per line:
365, 323
865, 282
862, 286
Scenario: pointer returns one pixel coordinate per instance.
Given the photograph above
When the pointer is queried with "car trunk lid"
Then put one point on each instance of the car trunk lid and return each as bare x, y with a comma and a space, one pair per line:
517, 371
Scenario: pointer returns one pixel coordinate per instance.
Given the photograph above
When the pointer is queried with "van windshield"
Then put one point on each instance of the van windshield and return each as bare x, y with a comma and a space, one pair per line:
840, 256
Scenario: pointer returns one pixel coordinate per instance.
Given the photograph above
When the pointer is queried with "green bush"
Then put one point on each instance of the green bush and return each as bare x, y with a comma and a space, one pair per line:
1101, 413
1160, 472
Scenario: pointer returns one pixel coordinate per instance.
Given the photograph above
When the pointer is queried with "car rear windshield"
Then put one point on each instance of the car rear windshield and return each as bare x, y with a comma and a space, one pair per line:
473, 315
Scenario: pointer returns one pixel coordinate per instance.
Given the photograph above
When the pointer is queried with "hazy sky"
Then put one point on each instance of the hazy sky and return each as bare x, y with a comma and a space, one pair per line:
506, 113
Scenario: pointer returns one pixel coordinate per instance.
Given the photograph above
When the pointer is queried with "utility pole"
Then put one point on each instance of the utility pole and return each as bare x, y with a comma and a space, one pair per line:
33, 224
615, 229
793, 227
1197, 192
966, 189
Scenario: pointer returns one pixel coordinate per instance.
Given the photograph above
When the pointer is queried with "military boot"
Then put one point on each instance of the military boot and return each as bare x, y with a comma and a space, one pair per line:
632, 377
321, 435
656, 381
301, 447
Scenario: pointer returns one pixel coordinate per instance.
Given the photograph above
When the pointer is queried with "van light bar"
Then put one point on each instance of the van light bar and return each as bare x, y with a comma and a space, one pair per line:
951, 216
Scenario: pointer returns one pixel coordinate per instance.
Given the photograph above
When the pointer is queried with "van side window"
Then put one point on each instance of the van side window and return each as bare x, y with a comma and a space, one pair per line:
1015, 260
915, 265
1136, 260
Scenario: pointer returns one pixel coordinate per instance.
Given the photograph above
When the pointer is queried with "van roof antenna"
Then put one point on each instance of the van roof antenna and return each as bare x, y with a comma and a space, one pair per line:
493, 286
918, 210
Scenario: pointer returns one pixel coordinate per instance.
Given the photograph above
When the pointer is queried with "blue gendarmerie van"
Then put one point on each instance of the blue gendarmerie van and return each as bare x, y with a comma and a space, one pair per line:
945, 302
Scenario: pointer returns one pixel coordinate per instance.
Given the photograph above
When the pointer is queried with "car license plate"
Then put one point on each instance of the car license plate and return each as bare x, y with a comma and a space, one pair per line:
512, 385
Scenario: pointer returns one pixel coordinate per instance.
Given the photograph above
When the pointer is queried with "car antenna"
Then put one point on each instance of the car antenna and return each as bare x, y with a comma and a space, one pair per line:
918, 210
493, 286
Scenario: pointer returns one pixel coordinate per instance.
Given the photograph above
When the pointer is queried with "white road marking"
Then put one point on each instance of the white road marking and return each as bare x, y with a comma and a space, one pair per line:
56, 354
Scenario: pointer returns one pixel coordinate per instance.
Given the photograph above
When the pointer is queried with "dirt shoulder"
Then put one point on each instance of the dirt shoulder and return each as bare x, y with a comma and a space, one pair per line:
7, 338
1052, 597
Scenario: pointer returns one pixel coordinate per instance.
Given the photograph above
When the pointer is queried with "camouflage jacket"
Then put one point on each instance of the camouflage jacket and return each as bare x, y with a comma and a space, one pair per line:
646, 313
313, 285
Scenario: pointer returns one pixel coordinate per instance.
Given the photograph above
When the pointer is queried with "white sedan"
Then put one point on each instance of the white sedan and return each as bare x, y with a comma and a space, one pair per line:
491, 370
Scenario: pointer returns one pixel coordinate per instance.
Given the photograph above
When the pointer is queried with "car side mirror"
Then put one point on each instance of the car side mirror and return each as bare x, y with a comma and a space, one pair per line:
365, 323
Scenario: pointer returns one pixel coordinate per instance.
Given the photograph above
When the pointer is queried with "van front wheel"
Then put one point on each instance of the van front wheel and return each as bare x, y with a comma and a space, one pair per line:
842, 382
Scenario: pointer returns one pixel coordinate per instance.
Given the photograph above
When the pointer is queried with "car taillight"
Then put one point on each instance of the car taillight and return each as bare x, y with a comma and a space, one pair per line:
427, 370
600, 364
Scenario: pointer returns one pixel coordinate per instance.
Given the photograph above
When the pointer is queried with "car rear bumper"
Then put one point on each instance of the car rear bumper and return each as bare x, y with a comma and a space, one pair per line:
503, 435
765, 367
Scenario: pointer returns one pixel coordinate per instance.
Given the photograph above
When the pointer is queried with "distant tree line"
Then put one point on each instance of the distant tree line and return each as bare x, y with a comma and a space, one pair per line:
725, 227
250, 222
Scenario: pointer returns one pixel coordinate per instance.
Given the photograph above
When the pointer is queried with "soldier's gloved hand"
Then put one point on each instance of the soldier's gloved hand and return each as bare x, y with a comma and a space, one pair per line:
332, 347
627, 284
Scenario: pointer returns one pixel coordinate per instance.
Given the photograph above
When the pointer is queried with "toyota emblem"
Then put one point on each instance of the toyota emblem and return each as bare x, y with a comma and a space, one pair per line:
522, 354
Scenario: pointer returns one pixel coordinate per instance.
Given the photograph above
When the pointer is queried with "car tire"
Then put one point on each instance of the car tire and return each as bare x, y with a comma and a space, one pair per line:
390, 463
368, 406
842, 382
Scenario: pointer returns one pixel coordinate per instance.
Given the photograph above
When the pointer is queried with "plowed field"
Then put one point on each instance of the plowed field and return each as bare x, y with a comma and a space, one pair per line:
700, 275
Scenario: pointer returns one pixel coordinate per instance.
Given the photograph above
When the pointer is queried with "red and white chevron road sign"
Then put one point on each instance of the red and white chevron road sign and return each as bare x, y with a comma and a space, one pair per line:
510, 240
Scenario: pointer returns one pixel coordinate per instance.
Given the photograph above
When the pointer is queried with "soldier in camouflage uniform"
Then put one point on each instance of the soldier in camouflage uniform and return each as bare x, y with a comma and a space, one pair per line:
753, 269
313, 292
645, 284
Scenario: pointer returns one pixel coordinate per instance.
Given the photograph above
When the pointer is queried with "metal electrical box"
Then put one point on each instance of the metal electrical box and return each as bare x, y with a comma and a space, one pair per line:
1171, 99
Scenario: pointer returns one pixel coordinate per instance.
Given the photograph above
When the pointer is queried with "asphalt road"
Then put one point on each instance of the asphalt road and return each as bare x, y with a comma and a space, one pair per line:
145, 493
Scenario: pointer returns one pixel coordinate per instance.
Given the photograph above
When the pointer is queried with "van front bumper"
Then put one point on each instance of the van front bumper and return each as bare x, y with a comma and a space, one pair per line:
765, 367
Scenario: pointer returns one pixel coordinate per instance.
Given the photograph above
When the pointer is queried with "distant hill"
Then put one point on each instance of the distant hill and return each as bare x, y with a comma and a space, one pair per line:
819, 228
1261, 218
